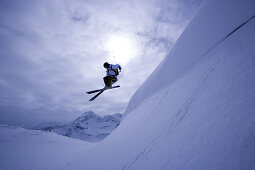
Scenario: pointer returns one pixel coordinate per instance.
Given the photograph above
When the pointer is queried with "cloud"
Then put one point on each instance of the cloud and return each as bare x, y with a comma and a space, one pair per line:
51, 52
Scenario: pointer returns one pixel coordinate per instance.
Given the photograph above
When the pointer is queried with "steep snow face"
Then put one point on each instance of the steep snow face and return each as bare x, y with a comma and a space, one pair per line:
89, 127
196, 111
215, 20
31, 149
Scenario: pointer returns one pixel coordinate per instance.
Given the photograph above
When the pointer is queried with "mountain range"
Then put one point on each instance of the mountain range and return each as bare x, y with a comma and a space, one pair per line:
89, 126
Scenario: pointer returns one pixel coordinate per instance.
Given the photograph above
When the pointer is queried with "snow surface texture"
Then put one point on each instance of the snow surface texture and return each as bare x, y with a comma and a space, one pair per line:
89, 127
22, 149
196, 110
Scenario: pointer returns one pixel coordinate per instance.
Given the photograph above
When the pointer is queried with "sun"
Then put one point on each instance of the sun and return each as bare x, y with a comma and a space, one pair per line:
121, 48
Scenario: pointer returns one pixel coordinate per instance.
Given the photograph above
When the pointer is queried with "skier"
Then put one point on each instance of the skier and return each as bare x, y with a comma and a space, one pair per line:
112, 71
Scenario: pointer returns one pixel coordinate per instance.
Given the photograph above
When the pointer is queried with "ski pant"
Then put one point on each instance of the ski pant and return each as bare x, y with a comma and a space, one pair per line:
109, 80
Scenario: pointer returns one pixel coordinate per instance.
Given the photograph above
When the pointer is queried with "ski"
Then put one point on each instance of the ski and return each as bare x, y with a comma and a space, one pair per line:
100, 92
94, 91
93, 98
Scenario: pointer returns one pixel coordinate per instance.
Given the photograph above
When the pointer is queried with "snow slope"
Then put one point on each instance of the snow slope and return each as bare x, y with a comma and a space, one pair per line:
23, 149
215, 20
196, 111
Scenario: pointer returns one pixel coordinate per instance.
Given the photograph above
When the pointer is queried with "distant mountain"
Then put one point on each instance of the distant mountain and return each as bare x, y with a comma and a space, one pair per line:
48, 126
89, 127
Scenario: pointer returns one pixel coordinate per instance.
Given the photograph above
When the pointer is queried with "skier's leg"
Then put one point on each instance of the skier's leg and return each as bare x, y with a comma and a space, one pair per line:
109, 80
106, 80
112, 80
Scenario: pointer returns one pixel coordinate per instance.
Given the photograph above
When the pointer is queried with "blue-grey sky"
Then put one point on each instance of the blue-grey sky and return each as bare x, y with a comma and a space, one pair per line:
52, 52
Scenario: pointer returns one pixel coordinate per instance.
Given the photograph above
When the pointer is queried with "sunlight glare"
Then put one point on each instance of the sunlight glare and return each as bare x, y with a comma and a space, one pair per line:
121, 48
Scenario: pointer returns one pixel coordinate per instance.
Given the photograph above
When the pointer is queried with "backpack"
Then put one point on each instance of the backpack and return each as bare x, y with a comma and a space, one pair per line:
116, 71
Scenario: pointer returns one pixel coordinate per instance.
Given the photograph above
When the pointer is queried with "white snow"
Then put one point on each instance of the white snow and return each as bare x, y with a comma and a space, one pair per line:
196, 111
22, 149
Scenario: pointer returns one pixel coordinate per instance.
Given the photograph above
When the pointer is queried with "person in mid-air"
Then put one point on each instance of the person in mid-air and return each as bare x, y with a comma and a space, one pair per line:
112, 71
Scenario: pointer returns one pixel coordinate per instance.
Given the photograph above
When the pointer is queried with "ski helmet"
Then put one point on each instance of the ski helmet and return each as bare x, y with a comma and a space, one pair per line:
106, 65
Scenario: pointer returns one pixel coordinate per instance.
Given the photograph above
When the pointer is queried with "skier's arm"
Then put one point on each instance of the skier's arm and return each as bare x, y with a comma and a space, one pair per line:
117, 66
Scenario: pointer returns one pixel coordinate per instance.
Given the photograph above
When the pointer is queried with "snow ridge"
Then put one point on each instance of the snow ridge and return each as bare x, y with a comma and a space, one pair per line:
232, 32
206, 30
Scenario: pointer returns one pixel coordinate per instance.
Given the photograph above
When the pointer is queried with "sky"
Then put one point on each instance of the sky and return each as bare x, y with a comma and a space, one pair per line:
52, 52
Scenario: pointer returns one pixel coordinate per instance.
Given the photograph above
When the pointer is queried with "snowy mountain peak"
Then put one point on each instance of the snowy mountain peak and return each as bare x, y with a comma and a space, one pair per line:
89, 126
89, 114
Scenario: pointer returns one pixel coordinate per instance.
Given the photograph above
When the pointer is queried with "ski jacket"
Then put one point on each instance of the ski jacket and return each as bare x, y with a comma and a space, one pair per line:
110, 72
